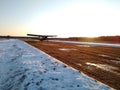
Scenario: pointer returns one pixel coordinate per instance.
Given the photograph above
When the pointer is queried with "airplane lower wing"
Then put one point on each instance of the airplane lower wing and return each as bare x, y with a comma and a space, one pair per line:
41, 37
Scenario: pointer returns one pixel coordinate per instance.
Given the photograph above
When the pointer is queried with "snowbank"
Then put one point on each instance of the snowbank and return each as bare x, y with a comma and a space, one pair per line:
23, 67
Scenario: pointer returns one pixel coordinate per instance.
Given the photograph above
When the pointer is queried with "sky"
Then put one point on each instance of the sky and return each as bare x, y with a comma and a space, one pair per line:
65, 18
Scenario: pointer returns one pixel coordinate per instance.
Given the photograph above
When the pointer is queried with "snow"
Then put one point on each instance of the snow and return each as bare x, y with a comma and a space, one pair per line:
83, 45
66, 49
105, 67
88, 43
104, 55
23, 67
117, 62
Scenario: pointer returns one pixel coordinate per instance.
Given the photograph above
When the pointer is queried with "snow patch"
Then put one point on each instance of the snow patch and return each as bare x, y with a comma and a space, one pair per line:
118, 58
104, 67
66, 49
83, 45
104, 55
79, 64
118, 62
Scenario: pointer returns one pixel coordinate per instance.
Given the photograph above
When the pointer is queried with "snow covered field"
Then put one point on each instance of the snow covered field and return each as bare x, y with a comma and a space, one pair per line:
23, 67
88, 43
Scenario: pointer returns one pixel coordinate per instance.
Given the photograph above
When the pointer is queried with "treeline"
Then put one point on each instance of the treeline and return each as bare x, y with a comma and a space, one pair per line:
109, 39
105, 39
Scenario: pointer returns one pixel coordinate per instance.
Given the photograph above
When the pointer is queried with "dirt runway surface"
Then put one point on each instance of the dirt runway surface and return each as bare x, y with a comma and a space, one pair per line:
101, 63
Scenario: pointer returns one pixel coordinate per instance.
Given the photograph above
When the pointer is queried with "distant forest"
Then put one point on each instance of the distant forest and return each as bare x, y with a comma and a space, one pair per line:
106, 39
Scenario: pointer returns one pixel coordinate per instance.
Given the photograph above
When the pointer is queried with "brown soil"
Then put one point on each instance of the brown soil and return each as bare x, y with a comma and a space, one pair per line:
77, 56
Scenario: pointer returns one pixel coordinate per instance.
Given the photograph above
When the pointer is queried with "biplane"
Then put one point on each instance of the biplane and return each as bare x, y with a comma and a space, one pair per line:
41, 37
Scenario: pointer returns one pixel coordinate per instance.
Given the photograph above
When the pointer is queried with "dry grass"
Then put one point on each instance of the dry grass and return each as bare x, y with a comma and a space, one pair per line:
77, 56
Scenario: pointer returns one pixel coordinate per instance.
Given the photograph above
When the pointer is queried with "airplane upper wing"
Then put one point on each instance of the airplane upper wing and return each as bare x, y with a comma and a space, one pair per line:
41, 35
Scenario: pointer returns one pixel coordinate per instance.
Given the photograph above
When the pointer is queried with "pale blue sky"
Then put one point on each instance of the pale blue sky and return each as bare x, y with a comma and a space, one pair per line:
60, 17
